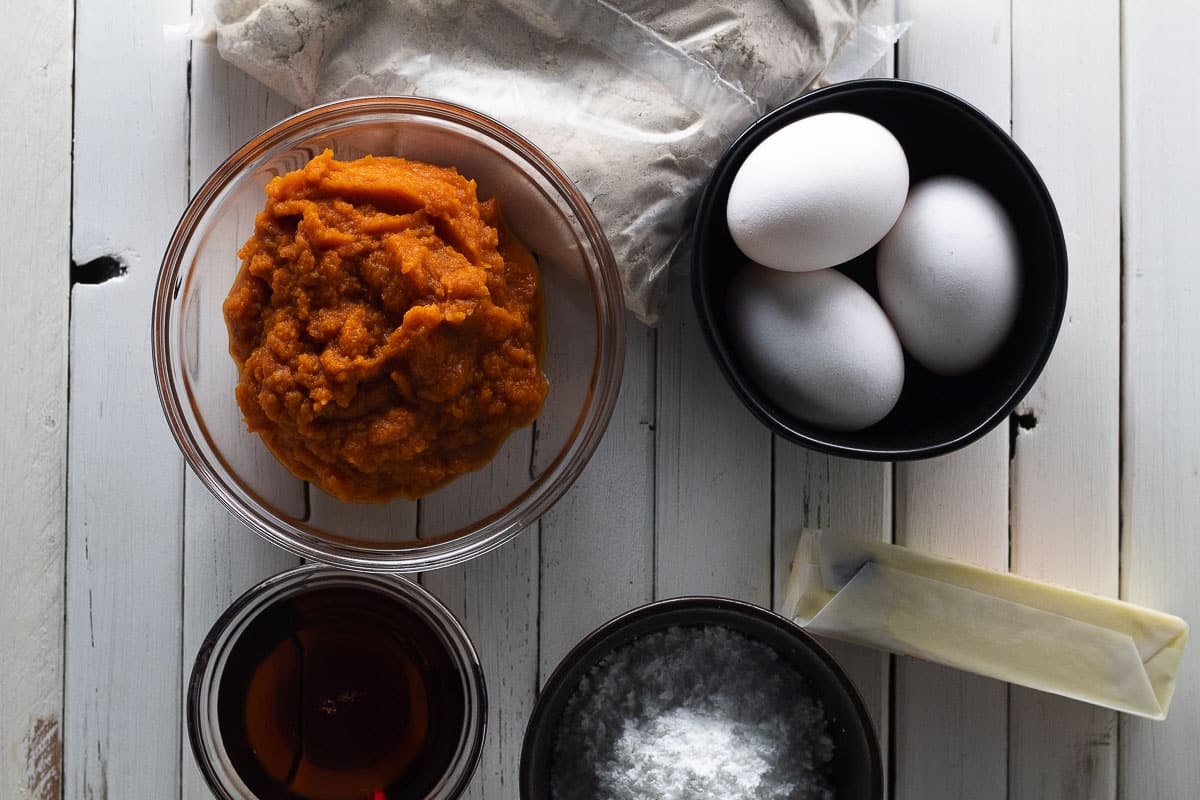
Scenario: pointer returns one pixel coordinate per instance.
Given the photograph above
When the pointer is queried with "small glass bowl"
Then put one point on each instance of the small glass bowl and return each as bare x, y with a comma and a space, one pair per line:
584, 334
204, 730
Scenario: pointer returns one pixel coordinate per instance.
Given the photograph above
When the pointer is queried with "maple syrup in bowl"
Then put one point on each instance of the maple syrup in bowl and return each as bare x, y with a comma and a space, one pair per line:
320, 684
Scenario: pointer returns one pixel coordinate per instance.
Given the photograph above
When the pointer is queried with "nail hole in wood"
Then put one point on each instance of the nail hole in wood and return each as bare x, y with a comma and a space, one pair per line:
1017, 423
98, 270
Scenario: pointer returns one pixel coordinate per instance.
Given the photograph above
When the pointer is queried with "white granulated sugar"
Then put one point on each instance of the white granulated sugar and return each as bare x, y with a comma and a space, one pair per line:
699, 713
690, 753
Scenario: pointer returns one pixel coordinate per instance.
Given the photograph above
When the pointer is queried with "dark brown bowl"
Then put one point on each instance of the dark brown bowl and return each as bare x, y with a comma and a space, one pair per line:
857, 769
941, 134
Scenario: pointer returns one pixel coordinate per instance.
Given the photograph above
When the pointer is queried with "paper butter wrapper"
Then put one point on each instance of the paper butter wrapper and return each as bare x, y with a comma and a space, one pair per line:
1090, 648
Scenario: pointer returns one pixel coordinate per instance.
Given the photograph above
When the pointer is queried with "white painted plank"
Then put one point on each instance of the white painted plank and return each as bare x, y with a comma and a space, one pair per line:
813, 490
1160, 480
712, 490
124, 495
1066, 78
391, 522
883, 12
597, 543
713, 471
222, 558
227, 109
495, 596
951, 729
34, 269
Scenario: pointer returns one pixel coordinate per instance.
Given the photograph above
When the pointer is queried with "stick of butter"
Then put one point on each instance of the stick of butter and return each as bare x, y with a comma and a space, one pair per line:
1078, 645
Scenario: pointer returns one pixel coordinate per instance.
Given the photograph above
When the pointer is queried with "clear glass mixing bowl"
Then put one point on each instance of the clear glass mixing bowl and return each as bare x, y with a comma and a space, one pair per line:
584, 354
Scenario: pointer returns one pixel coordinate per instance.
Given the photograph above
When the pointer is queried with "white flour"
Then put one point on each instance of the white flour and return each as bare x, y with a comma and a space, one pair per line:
692, 714
635, 99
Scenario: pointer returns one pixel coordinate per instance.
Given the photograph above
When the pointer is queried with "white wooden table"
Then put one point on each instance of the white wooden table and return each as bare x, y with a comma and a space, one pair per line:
114, 560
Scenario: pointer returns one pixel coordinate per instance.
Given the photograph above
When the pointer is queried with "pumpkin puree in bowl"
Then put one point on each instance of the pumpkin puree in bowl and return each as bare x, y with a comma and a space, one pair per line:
386, 327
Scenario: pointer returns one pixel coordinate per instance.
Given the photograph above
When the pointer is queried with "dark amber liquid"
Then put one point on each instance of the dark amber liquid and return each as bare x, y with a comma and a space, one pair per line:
340, 693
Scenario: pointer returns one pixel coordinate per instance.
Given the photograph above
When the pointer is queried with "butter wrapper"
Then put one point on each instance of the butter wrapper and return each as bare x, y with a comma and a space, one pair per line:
1090, 648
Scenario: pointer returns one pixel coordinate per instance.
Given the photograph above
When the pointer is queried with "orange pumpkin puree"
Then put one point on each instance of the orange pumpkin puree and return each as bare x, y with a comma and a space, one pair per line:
386, 326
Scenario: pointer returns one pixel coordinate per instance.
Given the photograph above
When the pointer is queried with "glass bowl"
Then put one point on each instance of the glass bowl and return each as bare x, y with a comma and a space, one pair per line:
584, 335
204, 688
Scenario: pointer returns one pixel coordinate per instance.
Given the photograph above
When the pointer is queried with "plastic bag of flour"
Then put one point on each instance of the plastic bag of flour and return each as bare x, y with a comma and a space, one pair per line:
635, 99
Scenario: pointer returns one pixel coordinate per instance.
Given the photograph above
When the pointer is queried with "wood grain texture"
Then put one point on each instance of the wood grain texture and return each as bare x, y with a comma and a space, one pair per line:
813, 490
222, 558
882, 12
495, 596
34, 269
1160, 480
597, 542
713, 471
389, 522
705, 468
951, 729
124, 542
1065, 474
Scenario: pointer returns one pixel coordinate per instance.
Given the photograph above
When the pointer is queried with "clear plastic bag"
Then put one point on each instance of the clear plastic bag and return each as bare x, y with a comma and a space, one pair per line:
635, 99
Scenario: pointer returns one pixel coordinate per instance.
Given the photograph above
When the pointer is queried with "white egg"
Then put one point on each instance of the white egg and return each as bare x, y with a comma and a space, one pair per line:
950, 275
817, 344
817, 192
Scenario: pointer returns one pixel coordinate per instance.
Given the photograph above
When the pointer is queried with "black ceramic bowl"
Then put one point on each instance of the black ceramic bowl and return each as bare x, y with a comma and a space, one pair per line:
941, 134
857, 770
